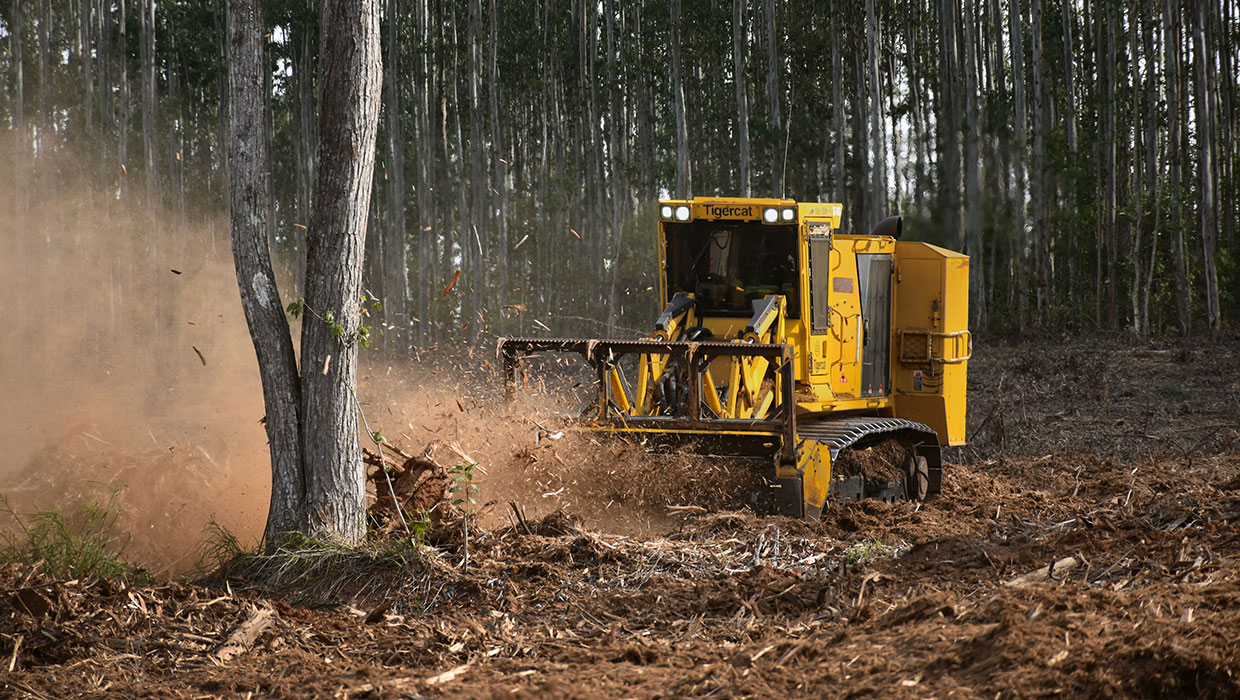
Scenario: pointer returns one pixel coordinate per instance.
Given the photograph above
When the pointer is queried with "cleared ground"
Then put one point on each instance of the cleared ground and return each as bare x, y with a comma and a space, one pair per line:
1086, 544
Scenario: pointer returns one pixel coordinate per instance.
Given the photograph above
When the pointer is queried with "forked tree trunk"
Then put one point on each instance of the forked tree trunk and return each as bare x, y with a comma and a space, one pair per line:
277, 363
317, 476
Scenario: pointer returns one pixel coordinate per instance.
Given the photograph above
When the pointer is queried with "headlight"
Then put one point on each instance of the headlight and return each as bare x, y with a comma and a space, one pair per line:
682, 212
665, 211
789, 214
770, 215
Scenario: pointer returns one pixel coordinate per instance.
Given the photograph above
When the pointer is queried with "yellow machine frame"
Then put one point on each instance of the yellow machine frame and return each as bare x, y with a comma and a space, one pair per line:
779, 383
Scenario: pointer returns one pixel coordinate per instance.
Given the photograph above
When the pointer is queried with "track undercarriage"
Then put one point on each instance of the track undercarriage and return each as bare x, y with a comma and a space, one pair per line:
737, 400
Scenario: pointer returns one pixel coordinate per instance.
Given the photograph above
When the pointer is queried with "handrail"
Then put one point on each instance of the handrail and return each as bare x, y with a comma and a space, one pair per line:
931, 336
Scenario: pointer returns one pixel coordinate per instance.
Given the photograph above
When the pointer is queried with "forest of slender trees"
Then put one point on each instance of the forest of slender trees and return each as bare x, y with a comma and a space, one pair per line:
1083, 152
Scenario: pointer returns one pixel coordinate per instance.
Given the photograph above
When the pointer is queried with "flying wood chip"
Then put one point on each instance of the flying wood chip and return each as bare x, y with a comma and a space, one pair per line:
456, 277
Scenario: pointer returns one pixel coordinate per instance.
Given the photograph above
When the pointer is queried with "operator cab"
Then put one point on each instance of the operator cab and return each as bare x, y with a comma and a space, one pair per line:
727, 264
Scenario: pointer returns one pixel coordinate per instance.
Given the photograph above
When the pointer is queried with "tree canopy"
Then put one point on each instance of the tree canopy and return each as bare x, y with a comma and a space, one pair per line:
1083, 152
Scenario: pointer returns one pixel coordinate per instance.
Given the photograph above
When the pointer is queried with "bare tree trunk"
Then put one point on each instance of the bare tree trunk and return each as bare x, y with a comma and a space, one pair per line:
349, 115
1068, 13
772, 96
837, 107
396, 274
742, 91
122, 150
1136, 179
21, 146
878, 161
264, 314
1040, 195
1176, 109
616, 168
1015, 24
684, 180
85, 37
146, 39
949, 129
476, 235
424, 138
1206, 129
499, 164
1110, 163
107, 114
45, 72
863, 206
972, 178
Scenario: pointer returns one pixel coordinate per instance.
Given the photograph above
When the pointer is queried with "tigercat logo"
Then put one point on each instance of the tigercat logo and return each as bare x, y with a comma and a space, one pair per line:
719, 211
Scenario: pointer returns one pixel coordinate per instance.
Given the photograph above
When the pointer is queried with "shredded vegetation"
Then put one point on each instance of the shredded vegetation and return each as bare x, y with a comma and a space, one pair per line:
82, 542
868, 550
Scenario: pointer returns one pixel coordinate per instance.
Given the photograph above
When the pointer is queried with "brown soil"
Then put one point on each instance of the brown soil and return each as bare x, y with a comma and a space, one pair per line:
1085, 544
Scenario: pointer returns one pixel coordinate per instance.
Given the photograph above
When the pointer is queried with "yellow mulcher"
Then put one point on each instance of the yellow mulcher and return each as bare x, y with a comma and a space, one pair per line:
785, 341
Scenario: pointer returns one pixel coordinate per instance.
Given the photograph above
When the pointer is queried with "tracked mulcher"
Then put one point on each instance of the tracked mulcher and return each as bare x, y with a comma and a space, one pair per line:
784, 341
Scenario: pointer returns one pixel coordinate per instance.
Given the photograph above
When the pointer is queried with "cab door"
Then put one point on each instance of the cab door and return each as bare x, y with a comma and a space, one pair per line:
818, 237
874, 272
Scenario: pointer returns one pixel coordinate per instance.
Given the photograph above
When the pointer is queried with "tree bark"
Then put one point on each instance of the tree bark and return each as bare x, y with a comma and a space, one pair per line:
21, 146
260, 299
45, 72
1206, 128
837, 107
146, 39
476, 235
349, 115
949, 128
396, 274
684, 180
1038, 181
1175, 161
499, 163
1015, 24
972, 178
1110, 163
742, 92
772, 96
85, 40
878, 161
122, 151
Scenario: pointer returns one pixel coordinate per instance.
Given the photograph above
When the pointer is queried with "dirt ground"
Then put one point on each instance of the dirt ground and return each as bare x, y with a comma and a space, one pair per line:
1086, 544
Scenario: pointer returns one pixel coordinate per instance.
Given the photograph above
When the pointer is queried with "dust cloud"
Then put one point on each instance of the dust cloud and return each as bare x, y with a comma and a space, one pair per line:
529, 457
129, 377
126, 367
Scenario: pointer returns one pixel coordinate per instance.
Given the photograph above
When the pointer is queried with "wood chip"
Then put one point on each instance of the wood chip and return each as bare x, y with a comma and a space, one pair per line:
244, 636
1051, 571
446, 676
